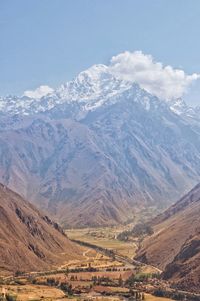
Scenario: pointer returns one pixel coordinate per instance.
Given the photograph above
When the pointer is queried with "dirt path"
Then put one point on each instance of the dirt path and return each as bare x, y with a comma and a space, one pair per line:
84, 253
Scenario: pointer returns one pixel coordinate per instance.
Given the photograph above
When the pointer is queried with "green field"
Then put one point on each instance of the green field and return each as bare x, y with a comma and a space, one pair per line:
106, 238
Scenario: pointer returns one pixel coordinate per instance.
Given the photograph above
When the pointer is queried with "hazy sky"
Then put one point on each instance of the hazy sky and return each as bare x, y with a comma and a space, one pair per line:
47, 42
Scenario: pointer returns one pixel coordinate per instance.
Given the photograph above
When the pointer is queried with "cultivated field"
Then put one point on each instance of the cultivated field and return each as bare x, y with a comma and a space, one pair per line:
34, 292
91, 258
105, 238
103, 273
149, 297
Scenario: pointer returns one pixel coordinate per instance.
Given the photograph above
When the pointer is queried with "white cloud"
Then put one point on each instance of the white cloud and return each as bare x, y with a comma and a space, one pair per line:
162, 81
39, 92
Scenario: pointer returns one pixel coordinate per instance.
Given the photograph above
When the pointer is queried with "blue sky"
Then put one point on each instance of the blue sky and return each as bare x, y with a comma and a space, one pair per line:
49, 41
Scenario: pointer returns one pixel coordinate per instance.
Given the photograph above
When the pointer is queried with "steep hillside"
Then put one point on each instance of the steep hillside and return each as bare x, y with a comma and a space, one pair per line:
97, 150
30, 241
175, 245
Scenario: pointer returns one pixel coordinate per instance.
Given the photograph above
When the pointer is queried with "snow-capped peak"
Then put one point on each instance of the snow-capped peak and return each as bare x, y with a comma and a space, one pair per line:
92, 88
95, 82
94, 72
179, 107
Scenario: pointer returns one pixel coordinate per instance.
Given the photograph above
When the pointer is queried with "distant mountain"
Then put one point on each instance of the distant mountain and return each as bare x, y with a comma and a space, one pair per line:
179, 107
30, 241
175, 244
98, 150
89, 90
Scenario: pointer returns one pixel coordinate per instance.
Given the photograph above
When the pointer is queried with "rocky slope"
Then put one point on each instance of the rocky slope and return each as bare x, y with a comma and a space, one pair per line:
175, 244
30, 241
97, 150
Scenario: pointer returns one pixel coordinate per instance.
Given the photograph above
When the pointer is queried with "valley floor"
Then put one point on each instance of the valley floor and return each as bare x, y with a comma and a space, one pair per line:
107, 272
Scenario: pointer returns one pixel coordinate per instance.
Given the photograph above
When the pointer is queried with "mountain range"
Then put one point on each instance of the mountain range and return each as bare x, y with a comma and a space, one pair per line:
98, 150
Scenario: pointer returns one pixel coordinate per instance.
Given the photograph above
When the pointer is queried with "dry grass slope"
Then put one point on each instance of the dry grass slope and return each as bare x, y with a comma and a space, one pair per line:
175, 244
30, 241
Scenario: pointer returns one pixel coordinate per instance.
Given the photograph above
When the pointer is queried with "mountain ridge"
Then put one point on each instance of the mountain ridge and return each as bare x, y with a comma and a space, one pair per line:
29, 240
91, 88
174, 246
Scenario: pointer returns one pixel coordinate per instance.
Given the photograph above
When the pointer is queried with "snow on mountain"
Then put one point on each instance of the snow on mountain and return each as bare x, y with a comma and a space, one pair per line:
91, 89
93, 85
103, 149
21, 105
179, 107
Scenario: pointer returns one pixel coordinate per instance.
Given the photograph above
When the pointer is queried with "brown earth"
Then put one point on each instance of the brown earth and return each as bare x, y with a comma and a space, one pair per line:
30, 241
175, 244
